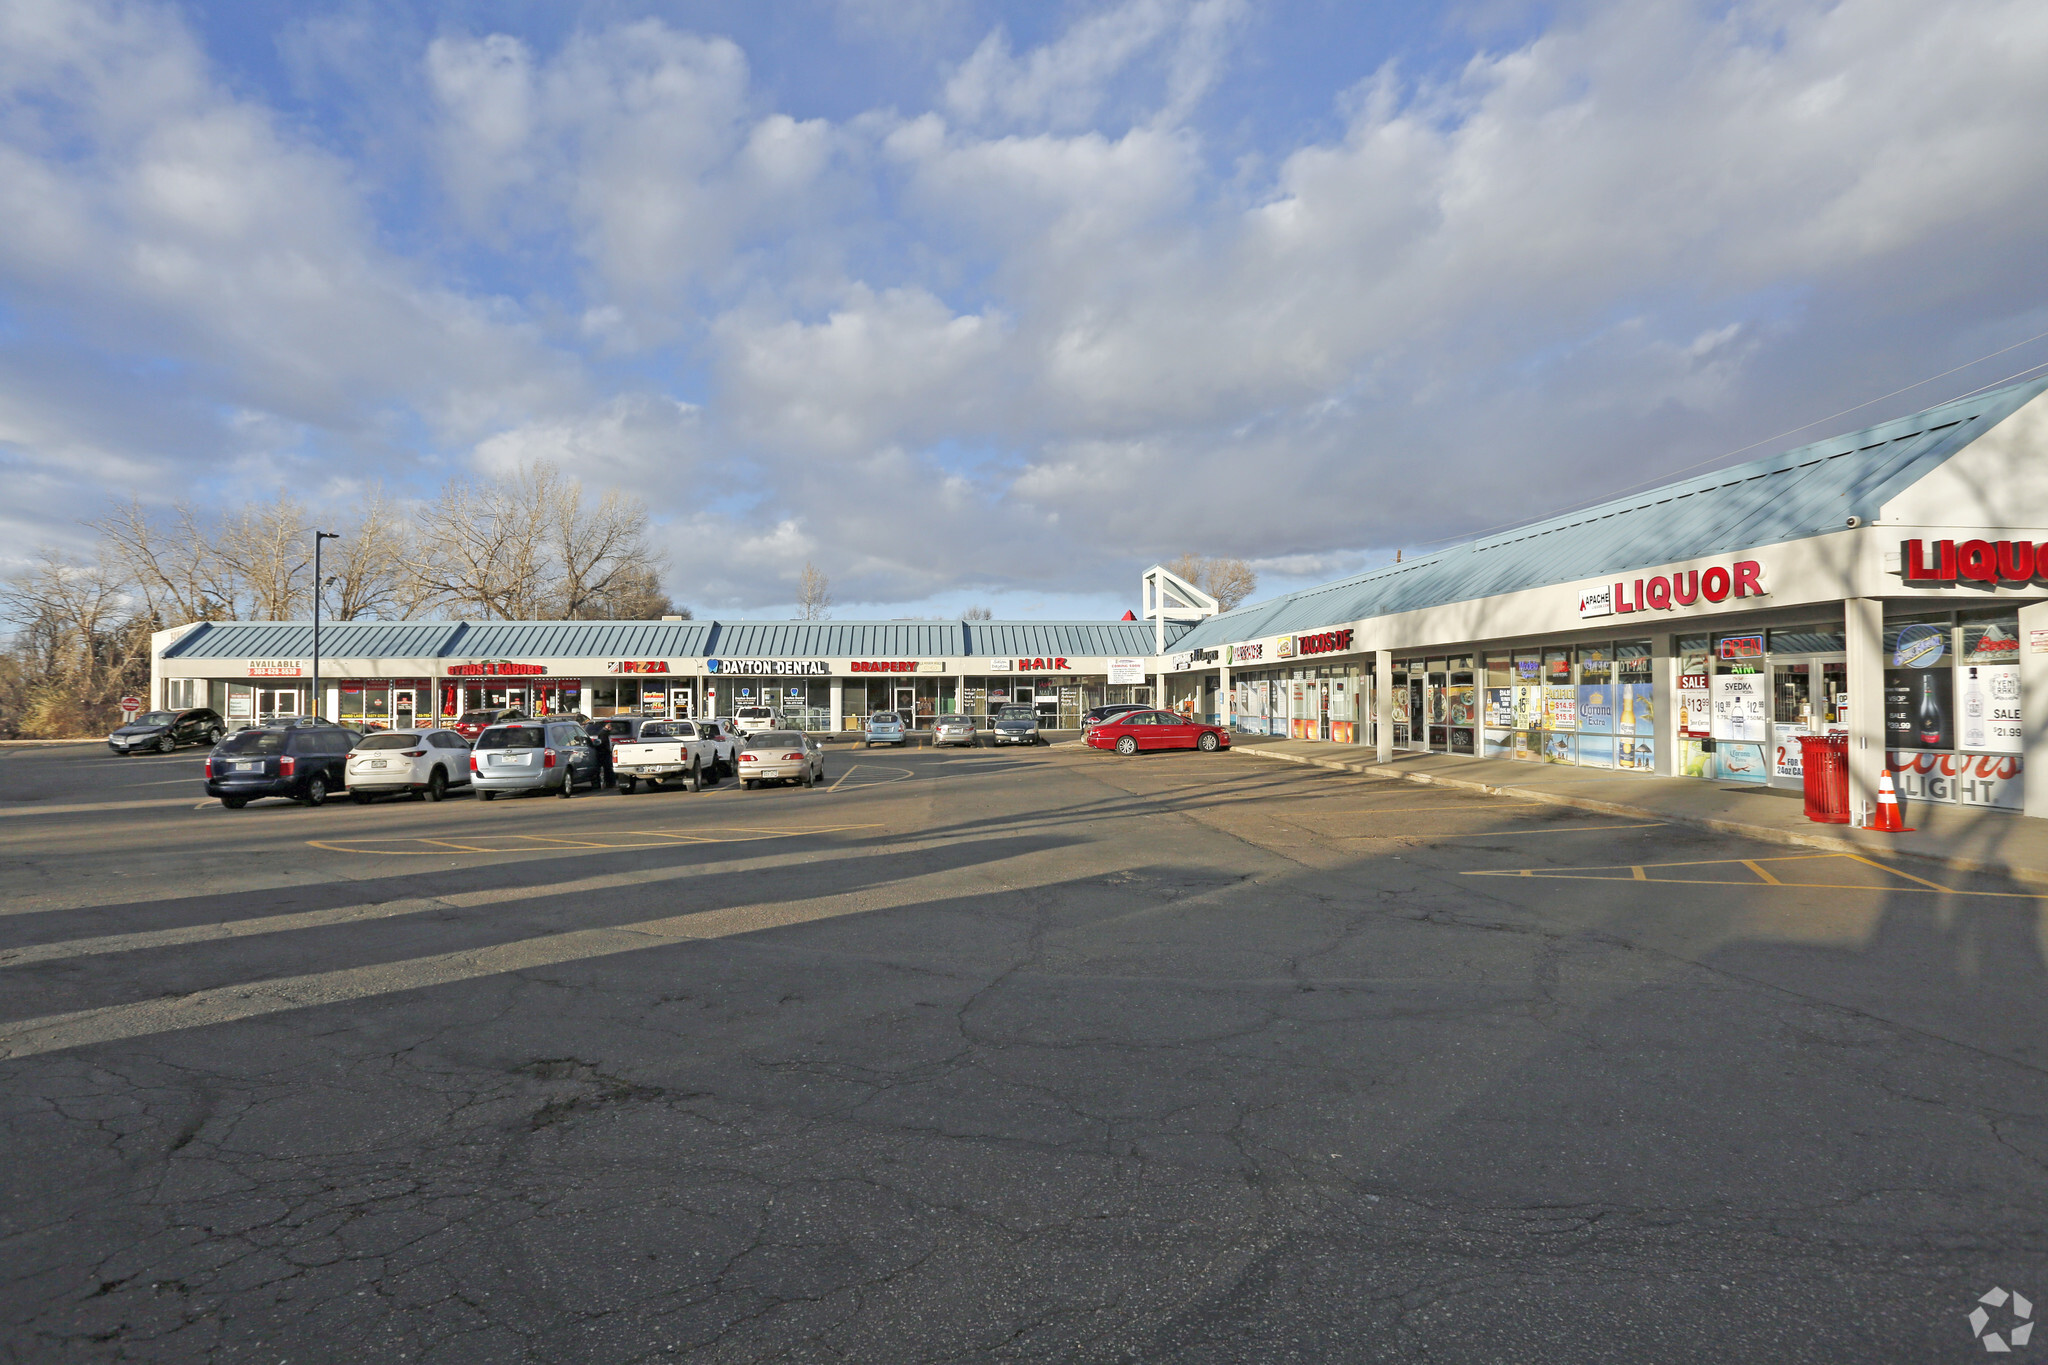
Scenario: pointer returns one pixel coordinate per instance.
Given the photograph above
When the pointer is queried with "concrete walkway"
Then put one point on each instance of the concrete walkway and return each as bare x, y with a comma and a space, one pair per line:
1962, 838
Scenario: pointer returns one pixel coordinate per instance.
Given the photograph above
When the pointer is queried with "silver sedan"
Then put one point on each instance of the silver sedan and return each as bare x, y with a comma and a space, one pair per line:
955, 730
781, 756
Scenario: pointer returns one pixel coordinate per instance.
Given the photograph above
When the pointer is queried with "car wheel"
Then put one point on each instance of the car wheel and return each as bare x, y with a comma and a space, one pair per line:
234, 802
485, 796
810, 778
749, 784
360, 798
695, 781
628, 784
166, 745
437, 785
568, 784
1127, 746
1207, 743
213, 736
316, 791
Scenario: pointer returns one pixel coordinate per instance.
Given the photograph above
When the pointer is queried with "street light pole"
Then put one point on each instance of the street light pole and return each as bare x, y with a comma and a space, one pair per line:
318, 696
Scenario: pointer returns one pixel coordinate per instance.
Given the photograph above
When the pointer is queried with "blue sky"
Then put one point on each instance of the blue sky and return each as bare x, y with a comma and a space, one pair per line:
976, 303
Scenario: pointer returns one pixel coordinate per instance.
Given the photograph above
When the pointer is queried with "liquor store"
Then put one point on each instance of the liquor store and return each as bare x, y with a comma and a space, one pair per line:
1889, 585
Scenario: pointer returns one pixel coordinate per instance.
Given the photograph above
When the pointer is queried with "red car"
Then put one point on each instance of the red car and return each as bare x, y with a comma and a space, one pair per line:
1135, 730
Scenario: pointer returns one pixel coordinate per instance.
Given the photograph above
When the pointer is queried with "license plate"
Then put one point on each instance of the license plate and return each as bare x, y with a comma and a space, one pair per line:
377, 763
248, 767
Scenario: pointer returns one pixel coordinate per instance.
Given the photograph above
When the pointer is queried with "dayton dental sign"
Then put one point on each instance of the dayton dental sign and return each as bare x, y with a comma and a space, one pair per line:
1666, 592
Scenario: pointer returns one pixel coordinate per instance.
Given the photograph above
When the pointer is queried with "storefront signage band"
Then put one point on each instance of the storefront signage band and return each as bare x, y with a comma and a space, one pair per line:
1247, 653
896, 666
1028, 666
498, 669
755, 668
637, 666
1977, 561
1664, 592
1194, 658
276, 668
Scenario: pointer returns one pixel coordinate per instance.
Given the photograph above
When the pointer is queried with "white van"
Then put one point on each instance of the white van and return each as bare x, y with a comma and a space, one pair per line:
748, 719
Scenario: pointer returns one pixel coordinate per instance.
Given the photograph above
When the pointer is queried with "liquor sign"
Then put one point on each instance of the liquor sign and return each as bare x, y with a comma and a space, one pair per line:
1323, 642
1664, 592
761, 668
637, 666
1240, 654
1126, 672
1977, 561
500, 668
276, 668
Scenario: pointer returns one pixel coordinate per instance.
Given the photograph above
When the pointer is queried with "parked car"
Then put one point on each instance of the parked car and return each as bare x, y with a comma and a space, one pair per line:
781, 756
532, 755
1095, 715
883, 727
725, 744
955, 730
747, 719
164, 731
472, 723
1150, 729
617, 730
1015, 724
304, 762
666, 751
425, 762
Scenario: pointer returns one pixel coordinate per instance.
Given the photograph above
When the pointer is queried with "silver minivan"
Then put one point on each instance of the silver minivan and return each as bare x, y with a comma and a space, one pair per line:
532, 755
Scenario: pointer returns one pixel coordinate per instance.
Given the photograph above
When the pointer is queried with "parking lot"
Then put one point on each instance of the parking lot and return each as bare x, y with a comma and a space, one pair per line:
1038, 1054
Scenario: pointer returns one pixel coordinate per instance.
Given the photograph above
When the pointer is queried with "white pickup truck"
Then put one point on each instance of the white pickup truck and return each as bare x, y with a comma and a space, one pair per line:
666, 751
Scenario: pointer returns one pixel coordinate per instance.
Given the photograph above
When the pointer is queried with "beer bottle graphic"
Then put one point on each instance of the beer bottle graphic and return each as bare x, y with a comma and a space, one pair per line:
1930, 716
1973, 712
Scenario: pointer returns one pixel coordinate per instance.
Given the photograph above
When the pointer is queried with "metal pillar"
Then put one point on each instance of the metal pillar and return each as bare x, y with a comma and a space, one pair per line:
1383, 704
1664, 687
1863, 624
319, 698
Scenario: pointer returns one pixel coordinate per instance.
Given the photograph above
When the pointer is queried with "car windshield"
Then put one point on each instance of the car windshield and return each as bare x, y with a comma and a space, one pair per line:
155, 718
611, 727
669, 730
512, 737
775, 739
884, 718
478, 717
390, 739
254, 742
1014, 713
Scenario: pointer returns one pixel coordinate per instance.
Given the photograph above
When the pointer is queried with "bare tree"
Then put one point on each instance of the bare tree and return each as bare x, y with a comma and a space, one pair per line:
369, 570
268, 548
813, 593
635, 594
1229, 581
174, 568
483, 546
76, 622
600, 552
977, 614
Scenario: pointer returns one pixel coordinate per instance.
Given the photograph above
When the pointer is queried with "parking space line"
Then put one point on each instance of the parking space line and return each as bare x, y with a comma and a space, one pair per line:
1497, 833
1640, 872
850, 771
515, 841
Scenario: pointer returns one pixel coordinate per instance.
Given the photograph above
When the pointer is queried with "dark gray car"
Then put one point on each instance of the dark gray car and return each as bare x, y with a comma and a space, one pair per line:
163, 731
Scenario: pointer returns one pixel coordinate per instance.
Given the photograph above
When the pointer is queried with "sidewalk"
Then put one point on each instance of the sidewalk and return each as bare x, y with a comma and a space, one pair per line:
1961, 838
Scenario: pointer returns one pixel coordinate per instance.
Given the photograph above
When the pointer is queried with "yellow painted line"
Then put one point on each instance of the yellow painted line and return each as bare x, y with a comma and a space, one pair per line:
1870, 862
1929, 890
1639, 874
1757, 868
850, 771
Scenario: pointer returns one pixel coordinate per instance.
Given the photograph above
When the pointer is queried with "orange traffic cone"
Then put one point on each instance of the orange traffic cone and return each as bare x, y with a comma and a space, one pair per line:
1886, 819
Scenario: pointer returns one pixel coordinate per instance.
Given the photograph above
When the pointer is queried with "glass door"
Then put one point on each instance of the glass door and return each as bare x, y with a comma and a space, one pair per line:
404, 703
275, 704
682, 703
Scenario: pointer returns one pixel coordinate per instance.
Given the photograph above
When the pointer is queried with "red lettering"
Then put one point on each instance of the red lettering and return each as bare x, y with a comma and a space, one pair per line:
1685, 587
1621, 602
1660, 593
1945, 566
1916, 566
1714, 584
1976, 561
2016, 560
1748, 578
1059, 663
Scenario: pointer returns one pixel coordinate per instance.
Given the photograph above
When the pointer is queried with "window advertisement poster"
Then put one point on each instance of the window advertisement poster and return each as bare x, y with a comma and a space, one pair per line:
1500, 743
1637, 754
1500, 708
1596, 751
1695, 698
1561, 709
1990, 780
1787, 754
1736, 761
1528, 745
1528, 706
1596, 711
1990, 706
1694, 760
1741, 710
1919, 706
1638, 709
1559, 748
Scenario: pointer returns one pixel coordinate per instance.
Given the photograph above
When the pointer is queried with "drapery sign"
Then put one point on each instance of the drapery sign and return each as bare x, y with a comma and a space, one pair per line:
1126, 672
1739, 711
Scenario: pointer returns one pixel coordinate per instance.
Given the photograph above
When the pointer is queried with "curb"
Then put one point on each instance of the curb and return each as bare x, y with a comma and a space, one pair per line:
25, 743
1793, 838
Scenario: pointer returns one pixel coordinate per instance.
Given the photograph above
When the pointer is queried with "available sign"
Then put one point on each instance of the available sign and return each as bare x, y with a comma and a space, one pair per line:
276, 668
1977, 561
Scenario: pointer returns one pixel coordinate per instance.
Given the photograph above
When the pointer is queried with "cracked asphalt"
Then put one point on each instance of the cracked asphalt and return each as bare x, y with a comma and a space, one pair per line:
1040, 1055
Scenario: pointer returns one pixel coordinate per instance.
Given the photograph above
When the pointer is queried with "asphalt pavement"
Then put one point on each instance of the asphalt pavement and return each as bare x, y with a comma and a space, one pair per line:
1023, 1055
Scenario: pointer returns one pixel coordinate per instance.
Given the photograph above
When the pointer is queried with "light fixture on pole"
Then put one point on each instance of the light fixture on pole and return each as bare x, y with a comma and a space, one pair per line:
318, 696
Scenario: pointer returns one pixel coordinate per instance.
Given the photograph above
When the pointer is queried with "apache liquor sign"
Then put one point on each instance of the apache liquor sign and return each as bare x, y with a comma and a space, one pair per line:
1668, 592
1990, 562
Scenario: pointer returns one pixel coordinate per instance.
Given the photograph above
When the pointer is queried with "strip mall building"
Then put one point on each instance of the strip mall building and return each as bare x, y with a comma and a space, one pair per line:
1890, 584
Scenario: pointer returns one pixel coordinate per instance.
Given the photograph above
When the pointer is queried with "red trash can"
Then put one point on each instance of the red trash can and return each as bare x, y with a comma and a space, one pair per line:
1824, 759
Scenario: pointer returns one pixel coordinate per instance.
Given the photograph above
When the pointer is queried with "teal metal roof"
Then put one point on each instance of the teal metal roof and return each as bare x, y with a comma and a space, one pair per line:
1062, 639
294, 640
580, 639
839, 639
1808, 491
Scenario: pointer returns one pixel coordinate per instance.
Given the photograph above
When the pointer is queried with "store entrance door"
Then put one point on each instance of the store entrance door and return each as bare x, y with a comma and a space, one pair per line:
275, 704
681, 703
403, 705
1418, 731
906, 704
1809, 696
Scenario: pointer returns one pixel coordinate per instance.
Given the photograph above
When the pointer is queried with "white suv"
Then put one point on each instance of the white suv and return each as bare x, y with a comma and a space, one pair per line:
747, 719
428, 762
